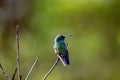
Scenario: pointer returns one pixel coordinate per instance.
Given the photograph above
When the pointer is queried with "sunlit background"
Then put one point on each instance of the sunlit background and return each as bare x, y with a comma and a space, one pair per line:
94, 48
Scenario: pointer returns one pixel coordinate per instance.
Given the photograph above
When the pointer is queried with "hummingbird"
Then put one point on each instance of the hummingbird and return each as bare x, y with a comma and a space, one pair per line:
60, 48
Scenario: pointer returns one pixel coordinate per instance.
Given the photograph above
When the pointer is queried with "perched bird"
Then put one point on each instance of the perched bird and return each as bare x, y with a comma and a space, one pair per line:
60, 48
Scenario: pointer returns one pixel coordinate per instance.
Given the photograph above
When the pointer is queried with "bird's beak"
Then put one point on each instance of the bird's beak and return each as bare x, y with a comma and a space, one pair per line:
68, 36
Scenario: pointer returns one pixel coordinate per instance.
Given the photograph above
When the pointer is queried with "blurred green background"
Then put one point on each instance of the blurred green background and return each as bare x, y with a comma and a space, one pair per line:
94, 47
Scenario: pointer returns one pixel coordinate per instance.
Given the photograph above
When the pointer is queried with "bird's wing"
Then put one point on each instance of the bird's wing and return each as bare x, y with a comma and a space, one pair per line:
66, 57
63, 53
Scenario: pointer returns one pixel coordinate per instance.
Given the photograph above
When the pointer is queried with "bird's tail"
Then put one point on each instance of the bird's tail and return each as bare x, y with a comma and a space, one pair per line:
64, 60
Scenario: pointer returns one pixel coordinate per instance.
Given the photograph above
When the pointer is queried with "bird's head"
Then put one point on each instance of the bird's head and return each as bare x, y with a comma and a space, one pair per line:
61, 38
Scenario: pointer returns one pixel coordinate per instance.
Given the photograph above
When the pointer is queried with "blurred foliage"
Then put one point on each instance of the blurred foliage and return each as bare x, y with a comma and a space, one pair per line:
94, 47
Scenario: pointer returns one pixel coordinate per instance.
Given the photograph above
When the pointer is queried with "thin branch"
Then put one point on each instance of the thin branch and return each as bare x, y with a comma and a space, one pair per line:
51, 69
18, 54
61, 60
3, 71
32, 67
14, 73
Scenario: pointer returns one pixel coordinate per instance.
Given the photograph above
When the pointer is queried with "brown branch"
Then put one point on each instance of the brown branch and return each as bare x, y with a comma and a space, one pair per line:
14, 73
5, 74
51, 69
32, 67
18, 54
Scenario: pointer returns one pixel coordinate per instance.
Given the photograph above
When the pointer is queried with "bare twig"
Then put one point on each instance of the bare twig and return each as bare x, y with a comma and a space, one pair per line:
3, 71
32, 67
61, 60
14, 73
51, 69
18, 54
